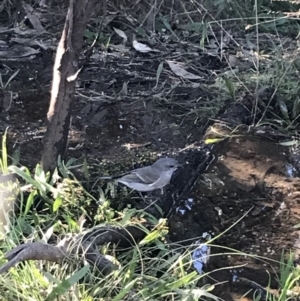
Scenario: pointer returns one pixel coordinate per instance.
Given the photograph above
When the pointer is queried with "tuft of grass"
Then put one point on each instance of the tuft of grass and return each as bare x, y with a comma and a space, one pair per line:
9, 190
147, 271
151, 270
288, 279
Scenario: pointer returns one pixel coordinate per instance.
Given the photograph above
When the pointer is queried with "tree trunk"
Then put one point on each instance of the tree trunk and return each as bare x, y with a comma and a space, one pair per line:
65, 72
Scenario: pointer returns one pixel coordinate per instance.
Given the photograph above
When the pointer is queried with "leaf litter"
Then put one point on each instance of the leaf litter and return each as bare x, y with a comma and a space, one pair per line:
169, 80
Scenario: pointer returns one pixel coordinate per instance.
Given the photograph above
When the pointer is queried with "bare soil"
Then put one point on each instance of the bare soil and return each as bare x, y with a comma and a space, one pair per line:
251, 179
249, 175
119, 116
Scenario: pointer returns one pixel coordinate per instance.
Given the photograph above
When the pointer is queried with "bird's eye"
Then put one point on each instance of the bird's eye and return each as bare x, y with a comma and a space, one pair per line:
171, 166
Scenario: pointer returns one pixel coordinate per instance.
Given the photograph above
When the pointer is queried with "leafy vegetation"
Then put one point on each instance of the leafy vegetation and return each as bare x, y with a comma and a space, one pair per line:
47, 206
148, 270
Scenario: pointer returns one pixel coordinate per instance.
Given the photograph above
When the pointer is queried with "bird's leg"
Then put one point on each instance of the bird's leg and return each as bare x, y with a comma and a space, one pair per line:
142, 196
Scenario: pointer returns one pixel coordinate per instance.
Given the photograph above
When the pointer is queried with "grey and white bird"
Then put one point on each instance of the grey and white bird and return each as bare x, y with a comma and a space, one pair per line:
148, 178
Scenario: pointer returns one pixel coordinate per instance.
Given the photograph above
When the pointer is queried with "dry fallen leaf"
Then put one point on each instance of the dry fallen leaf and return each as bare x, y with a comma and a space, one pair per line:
18, 52
179, 71
142, 47
34, 20
233, 61
121, 33
119, 48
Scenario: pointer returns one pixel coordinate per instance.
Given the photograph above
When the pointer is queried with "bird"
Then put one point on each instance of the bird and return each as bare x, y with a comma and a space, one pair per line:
148, 178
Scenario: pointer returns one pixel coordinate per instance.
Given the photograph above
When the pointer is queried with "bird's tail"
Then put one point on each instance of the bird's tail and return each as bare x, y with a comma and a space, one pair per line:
106, 178
115, 177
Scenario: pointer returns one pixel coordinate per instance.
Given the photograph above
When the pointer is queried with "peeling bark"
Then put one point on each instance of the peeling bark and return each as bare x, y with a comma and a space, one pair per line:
65, 72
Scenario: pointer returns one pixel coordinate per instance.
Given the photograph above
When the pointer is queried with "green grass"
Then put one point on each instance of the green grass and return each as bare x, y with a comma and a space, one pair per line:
151, 269
147, 271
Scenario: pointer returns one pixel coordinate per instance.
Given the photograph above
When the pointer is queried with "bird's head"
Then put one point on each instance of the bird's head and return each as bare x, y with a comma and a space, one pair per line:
166, 165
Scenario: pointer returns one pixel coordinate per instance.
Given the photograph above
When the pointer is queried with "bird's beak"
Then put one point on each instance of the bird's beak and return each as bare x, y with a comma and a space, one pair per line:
179, 165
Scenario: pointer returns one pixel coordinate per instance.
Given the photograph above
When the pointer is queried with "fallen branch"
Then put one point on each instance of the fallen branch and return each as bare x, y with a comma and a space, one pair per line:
32, 251
83, 246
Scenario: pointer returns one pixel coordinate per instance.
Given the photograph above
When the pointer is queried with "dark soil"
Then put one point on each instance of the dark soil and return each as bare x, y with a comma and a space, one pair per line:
110, 122
250, 175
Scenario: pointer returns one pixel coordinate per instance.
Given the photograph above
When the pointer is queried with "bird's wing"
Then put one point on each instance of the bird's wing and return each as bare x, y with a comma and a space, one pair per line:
146, 177
139, 175
132, 178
